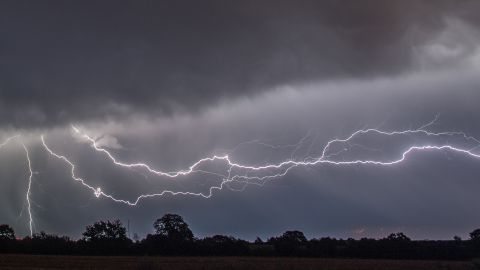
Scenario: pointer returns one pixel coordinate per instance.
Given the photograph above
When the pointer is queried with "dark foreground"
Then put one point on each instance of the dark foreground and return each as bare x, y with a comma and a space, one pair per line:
30, 262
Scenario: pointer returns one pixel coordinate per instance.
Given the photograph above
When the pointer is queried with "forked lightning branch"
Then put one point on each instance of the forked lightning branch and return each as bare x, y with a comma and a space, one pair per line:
246, 174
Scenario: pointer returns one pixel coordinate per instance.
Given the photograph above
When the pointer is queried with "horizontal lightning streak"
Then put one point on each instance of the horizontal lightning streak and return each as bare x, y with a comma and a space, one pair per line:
98, 191
261, 173
284, 166
145, 166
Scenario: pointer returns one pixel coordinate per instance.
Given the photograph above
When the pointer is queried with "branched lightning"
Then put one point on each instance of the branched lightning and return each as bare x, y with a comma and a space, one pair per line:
236, 173
250, 174
143, 165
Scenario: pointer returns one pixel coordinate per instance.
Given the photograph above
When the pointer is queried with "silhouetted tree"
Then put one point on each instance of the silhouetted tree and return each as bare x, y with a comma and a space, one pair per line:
397, 237
172, 237
397, 246
475, 235
173, 227
7, 239
475, 242
106, 237
112, 230
294, 237
290, 243
6, 232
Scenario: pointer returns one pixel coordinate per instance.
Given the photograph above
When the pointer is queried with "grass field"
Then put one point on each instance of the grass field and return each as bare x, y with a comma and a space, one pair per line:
30, 262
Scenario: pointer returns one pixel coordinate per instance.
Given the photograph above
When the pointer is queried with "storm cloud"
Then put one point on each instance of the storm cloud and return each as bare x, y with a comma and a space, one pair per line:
170, 82
89, 60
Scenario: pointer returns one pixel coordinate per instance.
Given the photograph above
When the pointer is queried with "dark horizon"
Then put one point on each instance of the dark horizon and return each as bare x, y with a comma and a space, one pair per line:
172, 236
130, 234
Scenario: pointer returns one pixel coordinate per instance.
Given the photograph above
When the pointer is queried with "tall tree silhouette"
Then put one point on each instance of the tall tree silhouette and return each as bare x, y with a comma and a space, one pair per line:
173, 227
172, 236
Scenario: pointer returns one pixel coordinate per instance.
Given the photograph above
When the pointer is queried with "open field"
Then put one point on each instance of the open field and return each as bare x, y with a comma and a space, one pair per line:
33, 262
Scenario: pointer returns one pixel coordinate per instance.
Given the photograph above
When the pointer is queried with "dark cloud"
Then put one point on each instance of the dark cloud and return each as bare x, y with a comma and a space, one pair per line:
170, 82
95, 60
419, 197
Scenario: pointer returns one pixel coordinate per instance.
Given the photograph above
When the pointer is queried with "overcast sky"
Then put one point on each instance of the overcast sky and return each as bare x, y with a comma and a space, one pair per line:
171, 82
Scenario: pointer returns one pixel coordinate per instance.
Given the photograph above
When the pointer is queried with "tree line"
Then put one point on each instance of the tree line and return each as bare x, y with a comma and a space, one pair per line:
173, 237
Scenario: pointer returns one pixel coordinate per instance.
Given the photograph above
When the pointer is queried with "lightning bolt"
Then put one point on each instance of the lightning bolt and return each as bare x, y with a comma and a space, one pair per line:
143, 165
263, 173
29, 205
30, 177
247, 174
8, 140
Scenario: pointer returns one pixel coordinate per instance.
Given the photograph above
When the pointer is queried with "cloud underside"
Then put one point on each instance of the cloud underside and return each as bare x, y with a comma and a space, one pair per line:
171, 82
68, 62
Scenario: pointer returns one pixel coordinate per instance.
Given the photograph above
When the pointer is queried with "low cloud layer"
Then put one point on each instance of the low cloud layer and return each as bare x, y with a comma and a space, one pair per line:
171, 82
64, 62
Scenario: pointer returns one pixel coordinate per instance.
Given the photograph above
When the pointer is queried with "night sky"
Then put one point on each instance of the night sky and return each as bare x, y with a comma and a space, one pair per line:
168, 83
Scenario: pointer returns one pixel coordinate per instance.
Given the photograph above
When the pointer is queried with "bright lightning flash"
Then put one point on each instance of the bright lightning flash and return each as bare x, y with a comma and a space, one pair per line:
258, 175
247, 174
30, 177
